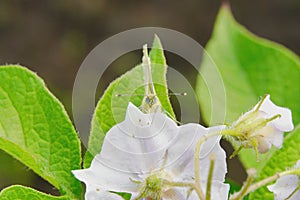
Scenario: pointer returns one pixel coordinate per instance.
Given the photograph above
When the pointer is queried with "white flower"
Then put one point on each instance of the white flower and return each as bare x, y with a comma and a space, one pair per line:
263, 126
146, 152
287, 187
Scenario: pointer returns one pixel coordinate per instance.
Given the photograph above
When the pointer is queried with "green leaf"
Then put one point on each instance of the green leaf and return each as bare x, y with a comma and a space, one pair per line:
35, 129
250, 67
285, 157
125, 196
111, 109
234, 187
17, 192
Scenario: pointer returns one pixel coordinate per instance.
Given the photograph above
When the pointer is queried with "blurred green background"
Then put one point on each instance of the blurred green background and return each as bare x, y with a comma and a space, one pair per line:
52, 37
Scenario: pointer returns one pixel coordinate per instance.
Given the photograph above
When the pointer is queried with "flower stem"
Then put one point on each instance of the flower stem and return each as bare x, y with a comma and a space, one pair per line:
185, 184
197, 162
246, 185
293, 193
210, 176
178, 184
260, 103
197, 166
255, 186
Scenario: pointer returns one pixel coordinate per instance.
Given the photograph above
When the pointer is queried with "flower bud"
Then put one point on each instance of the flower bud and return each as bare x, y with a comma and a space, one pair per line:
261, 127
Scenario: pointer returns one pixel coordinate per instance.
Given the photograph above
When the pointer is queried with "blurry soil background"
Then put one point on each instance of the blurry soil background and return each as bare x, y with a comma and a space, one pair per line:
52, 37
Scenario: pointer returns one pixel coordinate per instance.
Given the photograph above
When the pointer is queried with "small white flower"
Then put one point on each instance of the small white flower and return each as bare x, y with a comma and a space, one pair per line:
287, 187
146, 152
263, 126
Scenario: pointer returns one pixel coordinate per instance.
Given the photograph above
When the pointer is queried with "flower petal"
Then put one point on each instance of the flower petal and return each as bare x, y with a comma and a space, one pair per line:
183, 168
220, 167
219, 191
284, 186
107, 178
263, 144
138, 144
175, 194
297, 164
284, 123
93, 192
181, 152
274, 137
140, 125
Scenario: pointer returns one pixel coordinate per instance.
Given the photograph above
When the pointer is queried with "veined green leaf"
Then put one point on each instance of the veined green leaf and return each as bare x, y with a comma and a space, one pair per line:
17, 192
111, 109
35, 129
250, 67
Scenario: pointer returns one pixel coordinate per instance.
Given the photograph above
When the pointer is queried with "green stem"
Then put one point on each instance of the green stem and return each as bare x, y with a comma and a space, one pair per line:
210, 177
178, 184
185, 184
260, 103
197, 161
243, 191
263, 182
292, 194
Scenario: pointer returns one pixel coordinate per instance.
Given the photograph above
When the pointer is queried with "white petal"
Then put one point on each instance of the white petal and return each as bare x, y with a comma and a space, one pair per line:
193, 196
107, 178
140, 125
284, 123
208, 145
212, 147
284, 186
94, 192
183, 168
220, 167
135, 145
219, 190
180, 193
295, 196
175, 194
263, 144
274, 137
297, 164
181, 153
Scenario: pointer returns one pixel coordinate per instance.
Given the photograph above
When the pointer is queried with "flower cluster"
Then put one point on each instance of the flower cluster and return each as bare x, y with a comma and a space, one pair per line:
152, 158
